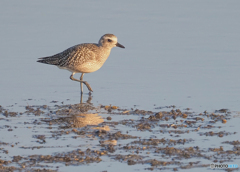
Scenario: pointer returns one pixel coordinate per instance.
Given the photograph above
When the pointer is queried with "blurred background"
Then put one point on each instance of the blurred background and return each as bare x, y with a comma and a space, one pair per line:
183, 53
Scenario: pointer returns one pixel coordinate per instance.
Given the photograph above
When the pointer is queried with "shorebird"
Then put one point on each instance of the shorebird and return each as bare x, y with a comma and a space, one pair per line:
84, 58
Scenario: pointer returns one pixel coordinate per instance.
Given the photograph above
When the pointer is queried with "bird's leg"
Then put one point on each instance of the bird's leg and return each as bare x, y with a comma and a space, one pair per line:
85, 82
81, 78
81, 98
81, 84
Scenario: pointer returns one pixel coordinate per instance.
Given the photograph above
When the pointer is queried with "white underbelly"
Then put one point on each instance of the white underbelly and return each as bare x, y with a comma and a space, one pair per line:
84, 68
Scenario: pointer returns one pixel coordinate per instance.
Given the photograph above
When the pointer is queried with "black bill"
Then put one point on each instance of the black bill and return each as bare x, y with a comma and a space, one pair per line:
119, 45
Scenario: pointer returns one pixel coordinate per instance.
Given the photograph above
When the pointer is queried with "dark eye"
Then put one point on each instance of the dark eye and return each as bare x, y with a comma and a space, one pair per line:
109, 40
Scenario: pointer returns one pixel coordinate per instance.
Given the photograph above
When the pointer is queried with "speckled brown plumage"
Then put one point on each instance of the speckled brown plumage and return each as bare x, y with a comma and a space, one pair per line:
84, 58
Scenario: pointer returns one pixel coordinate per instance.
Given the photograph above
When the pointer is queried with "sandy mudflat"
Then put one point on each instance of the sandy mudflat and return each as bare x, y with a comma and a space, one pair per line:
67, 137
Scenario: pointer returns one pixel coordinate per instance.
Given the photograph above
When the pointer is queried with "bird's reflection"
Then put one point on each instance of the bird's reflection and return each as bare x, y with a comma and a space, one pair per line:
79, 115
88, 100
79, 120
82, 120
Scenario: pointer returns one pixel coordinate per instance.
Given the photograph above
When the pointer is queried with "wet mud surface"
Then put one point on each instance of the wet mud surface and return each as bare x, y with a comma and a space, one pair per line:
48, 138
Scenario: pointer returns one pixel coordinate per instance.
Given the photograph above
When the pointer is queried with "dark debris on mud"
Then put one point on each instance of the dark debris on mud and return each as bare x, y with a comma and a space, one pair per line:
84, 121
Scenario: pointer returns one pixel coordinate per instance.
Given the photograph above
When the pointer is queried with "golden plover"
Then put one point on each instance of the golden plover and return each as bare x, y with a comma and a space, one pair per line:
84, 58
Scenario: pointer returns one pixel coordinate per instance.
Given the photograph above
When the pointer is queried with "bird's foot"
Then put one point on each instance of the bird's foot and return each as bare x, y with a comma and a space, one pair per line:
88, 86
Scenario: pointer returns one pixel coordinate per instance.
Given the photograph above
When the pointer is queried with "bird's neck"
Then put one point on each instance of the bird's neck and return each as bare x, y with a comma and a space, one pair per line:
105, 52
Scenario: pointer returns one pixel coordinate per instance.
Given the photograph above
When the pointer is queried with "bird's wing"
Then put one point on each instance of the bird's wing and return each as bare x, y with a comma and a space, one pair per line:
82, 53
78, 54
57, 59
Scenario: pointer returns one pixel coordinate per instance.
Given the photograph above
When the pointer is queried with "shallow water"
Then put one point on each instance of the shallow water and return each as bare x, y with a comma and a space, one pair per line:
177, 53
47, 136
180, 53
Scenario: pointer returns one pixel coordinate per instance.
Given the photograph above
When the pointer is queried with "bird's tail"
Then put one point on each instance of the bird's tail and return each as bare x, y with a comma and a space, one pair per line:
49, 60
